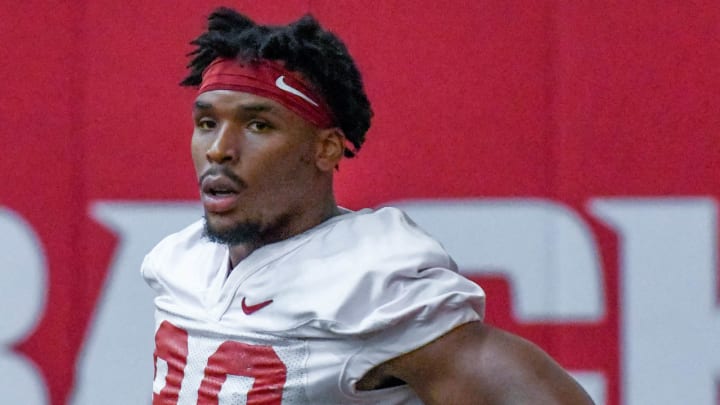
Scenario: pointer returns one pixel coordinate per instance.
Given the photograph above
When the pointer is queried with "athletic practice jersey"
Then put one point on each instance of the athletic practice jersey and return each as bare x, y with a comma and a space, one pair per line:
301, 320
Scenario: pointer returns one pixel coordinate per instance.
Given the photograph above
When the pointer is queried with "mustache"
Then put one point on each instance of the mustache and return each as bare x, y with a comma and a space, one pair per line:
223, 171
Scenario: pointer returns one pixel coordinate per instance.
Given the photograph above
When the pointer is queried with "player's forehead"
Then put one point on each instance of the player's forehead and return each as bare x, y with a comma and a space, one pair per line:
231, 99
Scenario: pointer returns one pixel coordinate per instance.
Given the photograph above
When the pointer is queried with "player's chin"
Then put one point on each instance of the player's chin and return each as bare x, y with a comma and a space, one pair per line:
219, 223
228, 230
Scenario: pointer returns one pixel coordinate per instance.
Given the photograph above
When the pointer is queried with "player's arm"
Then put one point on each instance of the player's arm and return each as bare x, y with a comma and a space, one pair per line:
478, 364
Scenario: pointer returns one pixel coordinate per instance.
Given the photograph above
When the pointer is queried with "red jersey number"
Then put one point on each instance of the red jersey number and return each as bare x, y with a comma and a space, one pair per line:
231, 358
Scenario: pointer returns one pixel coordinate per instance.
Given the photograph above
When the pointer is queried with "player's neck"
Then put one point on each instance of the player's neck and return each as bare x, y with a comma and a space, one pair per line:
319, 214
238, 253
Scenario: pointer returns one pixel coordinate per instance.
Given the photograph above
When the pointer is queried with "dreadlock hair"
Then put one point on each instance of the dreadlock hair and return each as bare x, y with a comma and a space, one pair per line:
302, 46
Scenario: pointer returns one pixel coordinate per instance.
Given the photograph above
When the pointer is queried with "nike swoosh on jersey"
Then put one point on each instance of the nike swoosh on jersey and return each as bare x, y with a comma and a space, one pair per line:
251, 309
280, 83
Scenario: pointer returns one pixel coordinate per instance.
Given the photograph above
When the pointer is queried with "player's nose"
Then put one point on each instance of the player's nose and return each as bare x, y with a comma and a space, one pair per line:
226, 145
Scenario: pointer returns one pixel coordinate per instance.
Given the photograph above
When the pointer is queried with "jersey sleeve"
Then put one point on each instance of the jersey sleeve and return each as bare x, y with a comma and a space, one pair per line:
423, 297
147, 271
425, 308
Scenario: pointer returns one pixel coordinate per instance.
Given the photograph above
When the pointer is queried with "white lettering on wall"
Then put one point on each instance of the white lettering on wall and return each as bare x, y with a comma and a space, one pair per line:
116, 365
22, 296
671, 323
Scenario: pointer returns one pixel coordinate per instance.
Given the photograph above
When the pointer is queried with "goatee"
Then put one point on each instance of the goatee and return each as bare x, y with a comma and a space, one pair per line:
240, 233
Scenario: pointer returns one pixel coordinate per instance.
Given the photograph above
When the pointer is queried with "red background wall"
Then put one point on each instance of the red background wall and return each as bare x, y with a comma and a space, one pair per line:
559, 100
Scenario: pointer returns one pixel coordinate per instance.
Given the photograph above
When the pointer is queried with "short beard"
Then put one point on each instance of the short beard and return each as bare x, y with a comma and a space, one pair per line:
241, 233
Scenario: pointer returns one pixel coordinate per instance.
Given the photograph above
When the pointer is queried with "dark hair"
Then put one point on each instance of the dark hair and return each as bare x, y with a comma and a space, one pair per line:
303, 46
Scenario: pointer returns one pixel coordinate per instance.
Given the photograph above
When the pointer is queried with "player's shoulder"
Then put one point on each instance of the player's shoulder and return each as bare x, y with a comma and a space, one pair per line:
369, 270
363, 252
179, 249
388, 232
182, 240
381, 217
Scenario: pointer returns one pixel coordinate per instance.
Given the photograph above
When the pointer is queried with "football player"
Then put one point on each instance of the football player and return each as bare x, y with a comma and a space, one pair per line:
280, 296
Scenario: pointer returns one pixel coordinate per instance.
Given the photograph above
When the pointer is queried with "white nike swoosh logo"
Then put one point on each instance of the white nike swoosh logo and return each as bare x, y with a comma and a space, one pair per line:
280, 83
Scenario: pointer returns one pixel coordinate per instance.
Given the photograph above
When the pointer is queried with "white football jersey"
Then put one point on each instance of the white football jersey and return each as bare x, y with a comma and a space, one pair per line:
301, 320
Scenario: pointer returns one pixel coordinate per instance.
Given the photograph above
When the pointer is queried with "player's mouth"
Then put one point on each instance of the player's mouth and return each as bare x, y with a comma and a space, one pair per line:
219, 194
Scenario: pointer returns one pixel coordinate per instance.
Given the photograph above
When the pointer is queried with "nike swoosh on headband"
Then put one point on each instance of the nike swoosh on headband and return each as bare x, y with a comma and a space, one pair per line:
280, 83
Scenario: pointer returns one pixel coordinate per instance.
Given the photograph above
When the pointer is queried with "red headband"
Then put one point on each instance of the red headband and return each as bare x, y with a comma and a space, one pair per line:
271, 80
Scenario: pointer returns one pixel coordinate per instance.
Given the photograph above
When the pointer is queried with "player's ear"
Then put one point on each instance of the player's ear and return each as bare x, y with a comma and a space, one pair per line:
330, 148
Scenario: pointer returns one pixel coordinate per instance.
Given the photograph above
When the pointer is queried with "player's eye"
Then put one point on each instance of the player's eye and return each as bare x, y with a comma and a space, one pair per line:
206, 124
259, 126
